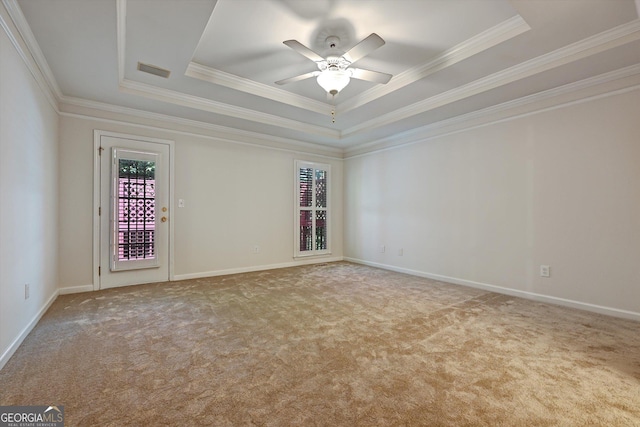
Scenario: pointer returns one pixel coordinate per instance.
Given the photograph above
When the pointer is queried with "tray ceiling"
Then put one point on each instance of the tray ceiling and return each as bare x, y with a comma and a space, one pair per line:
449, 59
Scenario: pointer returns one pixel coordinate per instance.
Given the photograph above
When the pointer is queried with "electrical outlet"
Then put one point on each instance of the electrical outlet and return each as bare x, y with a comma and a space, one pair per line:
382, 248
256, 249
400, 252
26, 291
545, 271
181, 203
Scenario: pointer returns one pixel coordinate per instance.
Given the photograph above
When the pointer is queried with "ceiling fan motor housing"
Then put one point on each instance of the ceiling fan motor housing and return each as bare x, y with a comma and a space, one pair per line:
334, 63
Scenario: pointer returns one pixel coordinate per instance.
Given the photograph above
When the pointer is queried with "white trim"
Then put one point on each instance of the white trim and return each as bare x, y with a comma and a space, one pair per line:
17, 29
30, 53
505, 112
316, 260
75, 289
204, 104
200, 103
609, 39
218, 77
506, 30
96, 206
97, 135
500, 33
510, 28
610, 311
199, 135
226, 133
172, 209
25, 332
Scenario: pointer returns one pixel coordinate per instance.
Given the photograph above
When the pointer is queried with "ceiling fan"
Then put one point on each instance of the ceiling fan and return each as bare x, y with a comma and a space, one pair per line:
335, 71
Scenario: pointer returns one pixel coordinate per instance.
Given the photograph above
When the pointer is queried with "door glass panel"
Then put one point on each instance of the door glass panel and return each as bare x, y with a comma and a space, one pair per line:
134, 210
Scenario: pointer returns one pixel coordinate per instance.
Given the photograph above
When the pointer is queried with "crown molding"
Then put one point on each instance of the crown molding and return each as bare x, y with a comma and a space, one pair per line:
25, 43
199, 103
571, 93
19, 33
500, 33
504, 31
178, 98
218, 77
609, 39
191, 127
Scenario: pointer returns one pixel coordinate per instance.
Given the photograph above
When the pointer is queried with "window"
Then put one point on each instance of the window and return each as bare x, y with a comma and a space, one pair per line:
312, 209
133, 210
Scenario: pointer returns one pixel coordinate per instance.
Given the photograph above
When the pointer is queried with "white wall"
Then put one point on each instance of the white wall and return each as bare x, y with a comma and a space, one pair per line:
237, 196
488, 206
28, 199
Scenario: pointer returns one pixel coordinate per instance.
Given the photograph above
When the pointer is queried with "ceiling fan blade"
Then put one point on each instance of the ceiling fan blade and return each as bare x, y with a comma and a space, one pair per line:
298, 78
371, 76
365, 47
303, 50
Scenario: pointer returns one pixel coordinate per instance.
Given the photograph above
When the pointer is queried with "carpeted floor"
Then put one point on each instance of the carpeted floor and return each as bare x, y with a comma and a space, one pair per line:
334, 345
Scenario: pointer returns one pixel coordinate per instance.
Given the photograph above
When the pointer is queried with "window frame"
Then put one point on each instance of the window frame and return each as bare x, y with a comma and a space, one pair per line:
301, 164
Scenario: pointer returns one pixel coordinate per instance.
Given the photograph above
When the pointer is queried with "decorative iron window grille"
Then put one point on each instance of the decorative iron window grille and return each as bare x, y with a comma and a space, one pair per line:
136, 210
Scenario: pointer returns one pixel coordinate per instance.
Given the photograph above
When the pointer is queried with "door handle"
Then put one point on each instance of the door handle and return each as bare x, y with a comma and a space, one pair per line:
163, 219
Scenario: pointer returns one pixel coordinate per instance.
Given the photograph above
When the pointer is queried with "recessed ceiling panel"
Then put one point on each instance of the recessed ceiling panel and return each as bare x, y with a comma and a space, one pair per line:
245, 38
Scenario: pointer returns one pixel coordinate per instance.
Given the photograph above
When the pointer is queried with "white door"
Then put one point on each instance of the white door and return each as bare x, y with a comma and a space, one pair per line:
133, 211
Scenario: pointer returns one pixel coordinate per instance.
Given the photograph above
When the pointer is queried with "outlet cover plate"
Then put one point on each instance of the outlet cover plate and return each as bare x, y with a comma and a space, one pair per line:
545, 271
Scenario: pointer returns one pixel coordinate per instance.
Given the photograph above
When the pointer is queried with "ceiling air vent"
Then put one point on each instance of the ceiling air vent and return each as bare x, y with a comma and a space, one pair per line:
152, 69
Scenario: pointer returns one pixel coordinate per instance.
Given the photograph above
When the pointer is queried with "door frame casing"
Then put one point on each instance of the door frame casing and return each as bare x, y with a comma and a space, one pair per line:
97, 135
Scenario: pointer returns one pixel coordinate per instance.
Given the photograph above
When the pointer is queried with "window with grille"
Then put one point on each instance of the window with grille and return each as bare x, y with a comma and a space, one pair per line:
134, 210
312, 209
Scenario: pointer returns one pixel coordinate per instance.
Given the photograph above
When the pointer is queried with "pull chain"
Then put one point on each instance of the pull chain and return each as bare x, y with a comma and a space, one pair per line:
333, 106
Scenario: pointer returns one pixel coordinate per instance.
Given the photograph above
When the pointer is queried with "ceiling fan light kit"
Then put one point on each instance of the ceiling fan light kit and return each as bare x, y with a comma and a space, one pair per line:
333, 81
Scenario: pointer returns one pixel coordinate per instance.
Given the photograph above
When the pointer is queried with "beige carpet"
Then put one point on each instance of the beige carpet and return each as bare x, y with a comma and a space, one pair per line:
333, 345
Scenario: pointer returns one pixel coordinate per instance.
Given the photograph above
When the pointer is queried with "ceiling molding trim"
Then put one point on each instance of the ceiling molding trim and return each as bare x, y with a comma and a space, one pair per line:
598, 43
121, 35
177, 98
199, 103
507, 110
218, 77
492, 37
201, 129
25, 43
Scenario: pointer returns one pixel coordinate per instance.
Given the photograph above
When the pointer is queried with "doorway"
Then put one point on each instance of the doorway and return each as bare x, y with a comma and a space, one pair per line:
132, 196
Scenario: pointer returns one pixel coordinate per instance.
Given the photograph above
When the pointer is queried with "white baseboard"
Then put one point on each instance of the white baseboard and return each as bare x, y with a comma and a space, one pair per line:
75, 289
318, 260
20, 338
610, 311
